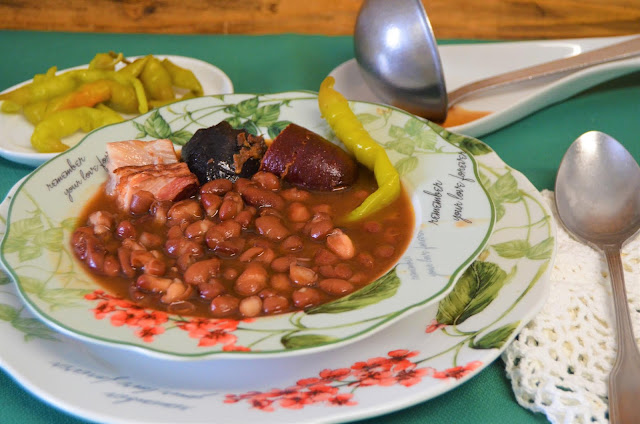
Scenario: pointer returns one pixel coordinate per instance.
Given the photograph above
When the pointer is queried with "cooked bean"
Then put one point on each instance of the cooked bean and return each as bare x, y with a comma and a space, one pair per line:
358, 278
179, 246
177, 291
384, 251
275, 304
211, 288
141, 202
365, 259
392, 235
266, 180
219, 186
181, 307
306, 297
302, 276
280, 282
323, 208
187, 210
252, 280
282, 263
241, 184
298, 212
185, 261
231, 206
152, 283
159, 210
202, 271
224, 305
319, 226
125, 229
245, 217
175, 232
143, 259
336, 286
340, 244
250, 306
271, 227
268, 292
343, 271
292, 243
111, 266
150, 240
230, 229
327, 271
230, 273
198, 229
124, 257
211, 203
101, 221
372, 226
294, 193
325, 257
231, 247
262, 198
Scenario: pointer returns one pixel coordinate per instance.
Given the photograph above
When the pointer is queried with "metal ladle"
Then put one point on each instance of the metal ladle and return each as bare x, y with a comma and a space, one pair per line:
397, 53
598, 200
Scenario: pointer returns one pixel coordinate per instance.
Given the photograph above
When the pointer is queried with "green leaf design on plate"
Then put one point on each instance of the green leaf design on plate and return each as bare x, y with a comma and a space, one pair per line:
63, 297
367, 118
27, 253
155, 126
267, 115
4, 278
70, 223
513, 249
306, 340
276, 128
50, 239
404, 146
505, 189
406, 165
180, 137
383, 288
475, 147
7, 312
541, 250
474, 291
245, 108
22, 230
31, 285
32, 328
496, 338
235, 122
251, 127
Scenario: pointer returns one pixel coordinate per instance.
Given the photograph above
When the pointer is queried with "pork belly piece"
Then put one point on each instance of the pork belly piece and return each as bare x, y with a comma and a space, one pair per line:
171, 181
137, 152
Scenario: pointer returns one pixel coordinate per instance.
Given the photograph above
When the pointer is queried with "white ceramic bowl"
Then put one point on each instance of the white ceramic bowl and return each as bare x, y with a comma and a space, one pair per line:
451, 229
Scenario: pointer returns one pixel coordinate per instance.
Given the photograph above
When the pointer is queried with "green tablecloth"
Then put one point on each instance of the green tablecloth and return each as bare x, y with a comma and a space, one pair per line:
534, 146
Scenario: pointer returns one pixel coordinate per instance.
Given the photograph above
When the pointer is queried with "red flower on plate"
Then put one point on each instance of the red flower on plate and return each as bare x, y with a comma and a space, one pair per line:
457, 372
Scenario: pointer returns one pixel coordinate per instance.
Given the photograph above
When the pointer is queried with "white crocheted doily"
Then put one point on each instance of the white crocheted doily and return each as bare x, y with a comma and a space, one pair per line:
560, 362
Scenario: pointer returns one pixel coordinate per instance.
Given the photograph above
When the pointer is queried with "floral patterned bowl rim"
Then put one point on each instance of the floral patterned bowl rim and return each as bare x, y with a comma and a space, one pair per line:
454, 219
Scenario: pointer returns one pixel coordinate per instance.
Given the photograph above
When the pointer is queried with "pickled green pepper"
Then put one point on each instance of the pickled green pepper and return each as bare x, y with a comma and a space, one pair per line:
336, 111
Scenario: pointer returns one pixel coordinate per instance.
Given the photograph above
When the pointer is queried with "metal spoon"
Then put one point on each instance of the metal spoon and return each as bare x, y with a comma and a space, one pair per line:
397, 53
598, 200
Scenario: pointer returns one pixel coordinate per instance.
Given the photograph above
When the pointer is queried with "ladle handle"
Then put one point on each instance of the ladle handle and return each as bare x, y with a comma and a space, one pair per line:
624, 380
616, 51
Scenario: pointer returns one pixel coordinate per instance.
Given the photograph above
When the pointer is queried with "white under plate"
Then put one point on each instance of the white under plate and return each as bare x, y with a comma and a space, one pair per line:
465, 63
407, 363
15, 143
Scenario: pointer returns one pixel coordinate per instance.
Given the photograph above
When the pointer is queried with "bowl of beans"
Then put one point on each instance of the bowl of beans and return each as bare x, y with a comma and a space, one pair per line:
242, 226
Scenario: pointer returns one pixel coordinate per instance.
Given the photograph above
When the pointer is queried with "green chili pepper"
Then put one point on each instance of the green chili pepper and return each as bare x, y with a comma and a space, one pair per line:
107, 61
43, 89
183, 78
156, 80
336, 111
47, 134
134, 69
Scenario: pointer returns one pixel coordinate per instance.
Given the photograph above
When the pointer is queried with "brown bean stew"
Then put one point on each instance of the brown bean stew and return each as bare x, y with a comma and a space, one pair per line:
244, 249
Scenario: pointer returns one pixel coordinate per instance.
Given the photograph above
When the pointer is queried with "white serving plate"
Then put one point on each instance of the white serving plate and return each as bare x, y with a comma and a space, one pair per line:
15, 143
465, 63
110, 385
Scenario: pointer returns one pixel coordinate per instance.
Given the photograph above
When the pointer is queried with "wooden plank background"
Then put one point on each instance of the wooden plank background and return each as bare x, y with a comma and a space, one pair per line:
481, 19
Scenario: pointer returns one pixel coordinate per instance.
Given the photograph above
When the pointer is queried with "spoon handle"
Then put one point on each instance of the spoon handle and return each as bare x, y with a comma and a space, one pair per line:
616, 51
624, 380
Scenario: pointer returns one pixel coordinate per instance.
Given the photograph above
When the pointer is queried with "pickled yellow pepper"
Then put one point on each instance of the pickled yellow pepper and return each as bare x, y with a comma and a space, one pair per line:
336, 111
